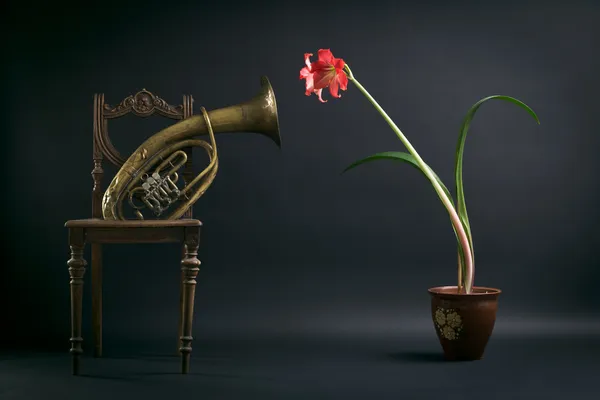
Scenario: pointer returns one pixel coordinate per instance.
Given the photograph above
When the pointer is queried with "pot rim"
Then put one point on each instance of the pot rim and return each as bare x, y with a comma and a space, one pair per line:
452, 291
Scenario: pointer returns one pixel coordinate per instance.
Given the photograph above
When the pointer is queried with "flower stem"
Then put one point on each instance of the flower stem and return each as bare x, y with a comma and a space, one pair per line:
460, 230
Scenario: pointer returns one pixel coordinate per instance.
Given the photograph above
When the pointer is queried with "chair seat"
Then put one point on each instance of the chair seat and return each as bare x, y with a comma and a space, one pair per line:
156, 223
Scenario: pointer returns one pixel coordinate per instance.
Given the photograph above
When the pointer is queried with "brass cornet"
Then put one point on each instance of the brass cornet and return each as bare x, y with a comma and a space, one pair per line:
149, 176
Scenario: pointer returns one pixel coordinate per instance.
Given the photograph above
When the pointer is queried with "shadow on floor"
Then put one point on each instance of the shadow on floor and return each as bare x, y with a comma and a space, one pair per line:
131, 377
418, 357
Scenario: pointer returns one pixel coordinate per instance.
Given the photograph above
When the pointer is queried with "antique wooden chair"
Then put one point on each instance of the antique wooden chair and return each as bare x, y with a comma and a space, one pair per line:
98, 231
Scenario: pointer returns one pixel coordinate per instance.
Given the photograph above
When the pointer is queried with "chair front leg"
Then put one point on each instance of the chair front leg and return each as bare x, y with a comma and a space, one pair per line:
180, 322
77, 266
189, 267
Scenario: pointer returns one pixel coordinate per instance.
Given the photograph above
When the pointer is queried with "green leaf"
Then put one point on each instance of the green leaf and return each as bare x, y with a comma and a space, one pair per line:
409, 159
400, 156
460, 194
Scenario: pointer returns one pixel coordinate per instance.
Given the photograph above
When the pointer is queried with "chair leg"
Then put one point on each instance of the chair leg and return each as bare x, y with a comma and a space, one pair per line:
97, 298
180, 322
190, 267
77, 266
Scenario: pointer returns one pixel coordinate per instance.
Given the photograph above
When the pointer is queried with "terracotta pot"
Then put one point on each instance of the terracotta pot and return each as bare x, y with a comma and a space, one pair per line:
464, 322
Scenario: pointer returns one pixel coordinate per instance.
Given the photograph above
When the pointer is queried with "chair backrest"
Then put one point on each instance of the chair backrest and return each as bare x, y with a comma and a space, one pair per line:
142, 104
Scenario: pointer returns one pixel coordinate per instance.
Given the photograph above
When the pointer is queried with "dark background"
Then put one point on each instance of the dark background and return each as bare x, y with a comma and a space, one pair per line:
290, 246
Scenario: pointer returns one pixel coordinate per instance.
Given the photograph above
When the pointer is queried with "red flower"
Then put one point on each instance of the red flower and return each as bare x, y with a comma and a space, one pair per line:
328, 71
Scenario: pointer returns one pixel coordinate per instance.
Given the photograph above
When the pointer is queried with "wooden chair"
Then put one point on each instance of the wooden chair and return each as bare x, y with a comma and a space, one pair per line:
98, 231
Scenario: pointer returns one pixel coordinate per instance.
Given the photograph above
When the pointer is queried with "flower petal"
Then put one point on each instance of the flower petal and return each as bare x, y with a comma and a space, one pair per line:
326, 56
333, 88
304, 72
309, 85
307, 59
322, 78
339, 63
343, 80
320, 65
319, 93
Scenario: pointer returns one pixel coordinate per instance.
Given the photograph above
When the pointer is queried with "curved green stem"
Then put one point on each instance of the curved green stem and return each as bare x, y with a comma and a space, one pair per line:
458, 226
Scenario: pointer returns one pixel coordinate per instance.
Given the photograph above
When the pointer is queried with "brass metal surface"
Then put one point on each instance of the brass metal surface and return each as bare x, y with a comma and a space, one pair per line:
150, 173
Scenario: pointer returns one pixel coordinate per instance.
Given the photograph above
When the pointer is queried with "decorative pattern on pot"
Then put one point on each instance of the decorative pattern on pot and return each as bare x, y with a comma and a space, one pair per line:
448, 322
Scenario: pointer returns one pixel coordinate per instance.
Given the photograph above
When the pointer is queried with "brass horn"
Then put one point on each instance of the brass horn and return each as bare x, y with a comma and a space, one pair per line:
150, 174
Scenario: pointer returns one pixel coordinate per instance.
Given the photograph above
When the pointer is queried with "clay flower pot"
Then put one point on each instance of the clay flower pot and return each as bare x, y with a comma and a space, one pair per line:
464, 322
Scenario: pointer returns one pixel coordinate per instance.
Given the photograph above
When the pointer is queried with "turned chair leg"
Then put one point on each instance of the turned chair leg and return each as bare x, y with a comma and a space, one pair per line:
180, 322
77, 266
97, 298
189, 267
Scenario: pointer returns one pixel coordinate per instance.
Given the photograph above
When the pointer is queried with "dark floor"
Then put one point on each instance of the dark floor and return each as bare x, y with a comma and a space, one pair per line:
303, 368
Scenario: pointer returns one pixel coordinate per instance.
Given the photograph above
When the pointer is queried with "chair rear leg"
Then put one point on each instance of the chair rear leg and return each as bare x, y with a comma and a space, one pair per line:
97, 298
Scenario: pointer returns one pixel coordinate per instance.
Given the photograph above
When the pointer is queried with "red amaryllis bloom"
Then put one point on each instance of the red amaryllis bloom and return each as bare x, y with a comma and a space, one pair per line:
328, 71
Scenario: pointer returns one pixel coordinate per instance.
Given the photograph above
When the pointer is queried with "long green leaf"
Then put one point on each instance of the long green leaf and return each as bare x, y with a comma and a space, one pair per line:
400, 156
458, 169
409, 159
